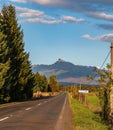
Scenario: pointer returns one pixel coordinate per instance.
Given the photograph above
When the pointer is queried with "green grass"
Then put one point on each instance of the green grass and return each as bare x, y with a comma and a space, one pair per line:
93, 102
84, 118
93, 99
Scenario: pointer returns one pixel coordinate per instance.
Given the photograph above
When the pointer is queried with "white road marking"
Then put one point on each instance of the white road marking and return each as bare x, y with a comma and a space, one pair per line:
4, 118
28, 108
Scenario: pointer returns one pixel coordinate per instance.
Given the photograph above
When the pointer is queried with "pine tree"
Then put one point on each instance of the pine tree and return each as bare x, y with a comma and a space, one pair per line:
20, 67
4, 69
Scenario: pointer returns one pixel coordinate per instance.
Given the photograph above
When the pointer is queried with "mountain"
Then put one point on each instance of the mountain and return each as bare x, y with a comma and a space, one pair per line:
66, 72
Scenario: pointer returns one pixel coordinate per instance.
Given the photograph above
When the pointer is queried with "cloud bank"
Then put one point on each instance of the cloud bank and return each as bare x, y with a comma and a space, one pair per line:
95, 9
36, 16
72, 19
105, 38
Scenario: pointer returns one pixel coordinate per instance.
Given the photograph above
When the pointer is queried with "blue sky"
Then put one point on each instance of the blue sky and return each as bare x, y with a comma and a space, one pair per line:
78, 31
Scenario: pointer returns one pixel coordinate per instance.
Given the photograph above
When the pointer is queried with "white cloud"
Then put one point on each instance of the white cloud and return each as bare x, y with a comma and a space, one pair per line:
105, 38
101, 15
95, 9
51, 20
87, 36
41, 20
36, 16
25, 12
71, 19
19, 1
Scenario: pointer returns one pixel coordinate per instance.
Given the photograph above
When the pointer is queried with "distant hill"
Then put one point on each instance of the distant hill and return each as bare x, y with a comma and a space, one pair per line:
66, 72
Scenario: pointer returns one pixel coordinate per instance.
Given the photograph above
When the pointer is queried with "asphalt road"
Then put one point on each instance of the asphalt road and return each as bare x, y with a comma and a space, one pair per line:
45, 114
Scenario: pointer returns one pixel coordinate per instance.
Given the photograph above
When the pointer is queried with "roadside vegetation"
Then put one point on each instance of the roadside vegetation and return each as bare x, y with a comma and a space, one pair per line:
17, 82
83, 117
105, 81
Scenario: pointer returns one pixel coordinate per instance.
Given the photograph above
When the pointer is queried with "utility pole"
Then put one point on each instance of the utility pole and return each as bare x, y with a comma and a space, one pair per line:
111, 94
80, 83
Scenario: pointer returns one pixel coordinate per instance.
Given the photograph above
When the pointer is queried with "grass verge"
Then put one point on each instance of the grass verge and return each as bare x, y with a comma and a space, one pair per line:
93, 102
84, 118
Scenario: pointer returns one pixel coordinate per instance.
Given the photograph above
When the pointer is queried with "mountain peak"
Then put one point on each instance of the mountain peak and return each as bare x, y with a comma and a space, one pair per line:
60, 60
65, 71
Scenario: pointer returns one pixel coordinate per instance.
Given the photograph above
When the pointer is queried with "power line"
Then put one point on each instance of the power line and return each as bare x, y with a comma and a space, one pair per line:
105, 60
102, 64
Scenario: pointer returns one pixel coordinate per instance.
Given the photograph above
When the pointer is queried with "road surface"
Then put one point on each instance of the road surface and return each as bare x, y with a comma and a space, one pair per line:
45, 114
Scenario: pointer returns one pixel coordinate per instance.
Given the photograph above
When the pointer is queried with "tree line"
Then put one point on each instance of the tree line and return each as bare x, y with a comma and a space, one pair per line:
46, 85
104, 91
17, 82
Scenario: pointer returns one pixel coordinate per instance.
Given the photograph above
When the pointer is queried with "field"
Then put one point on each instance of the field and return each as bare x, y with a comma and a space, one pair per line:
84, 116
93, 102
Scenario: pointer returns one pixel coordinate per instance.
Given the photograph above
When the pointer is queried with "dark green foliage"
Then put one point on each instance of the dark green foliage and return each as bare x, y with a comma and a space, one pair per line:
105, 80
41, 83
4, 70
21, 79
106, 104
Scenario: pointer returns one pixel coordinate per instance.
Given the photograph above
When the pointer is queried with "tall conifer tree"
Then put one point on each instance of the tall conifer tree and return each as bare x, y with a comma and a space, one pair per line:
20, 68
4, 70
